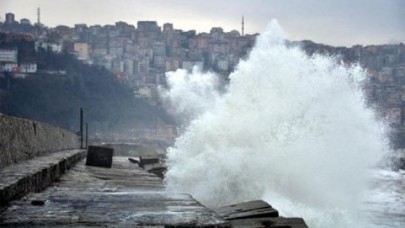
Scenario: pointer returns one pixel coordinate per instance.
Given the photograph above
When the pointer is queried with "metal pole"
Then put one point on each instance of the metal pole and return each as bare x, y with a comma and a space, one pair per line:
81, 128
87, 135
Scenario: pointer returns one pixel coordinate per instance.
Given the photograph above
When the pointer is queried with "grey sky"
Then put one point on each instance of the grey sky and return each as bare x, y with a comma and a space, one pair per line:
337, 22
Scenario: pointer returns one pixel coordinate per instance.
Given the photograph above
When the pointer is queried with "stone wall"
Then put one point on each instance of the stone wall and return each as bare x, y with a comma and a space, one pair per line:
22, 139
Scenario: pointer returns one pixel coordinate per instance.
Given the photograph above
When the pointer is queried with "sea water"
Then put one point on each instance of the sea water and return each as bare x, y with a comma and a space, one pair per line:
291, 129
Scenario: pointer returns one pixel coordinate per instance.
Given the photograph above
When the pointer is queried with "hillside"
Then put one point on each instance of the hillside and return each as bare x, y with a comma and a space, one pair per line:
57, 98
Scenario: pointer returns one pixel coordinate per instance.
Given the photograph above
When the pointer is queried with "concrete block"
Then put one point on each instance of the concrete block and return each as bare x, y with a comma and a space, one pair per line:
252, 209
148, 161
270, 222
257, 214
99, 156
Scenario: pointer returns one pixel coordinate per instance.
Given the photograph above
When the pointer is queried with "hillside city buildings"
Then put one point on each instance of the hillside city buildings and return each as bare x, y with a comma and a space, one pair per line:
141, 55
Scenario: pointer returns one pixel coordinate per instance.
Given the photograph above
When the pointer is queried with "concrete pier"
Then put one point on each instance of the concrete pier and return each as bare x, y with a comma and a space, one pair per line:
124, 196
120, 191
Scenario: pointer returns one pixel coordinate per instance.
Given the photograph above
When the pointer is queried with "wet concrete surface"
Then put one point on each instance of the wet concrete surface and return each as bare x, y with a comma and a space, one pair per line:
122, 196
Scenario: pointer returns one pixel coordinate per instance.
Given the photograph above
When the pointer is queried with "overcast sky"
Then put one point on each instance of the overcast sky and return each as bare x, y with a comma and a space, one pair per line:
336, 22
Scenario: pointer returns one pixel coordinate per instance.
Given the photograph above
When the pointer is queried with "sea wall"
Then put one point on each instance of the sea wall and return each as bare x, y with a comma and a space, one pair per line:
22, 139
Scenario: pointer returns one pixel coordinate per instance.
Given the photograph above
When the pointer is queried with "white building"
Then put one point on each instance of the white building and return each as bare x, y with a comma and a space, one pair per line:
28, 68
54, 47
8, 55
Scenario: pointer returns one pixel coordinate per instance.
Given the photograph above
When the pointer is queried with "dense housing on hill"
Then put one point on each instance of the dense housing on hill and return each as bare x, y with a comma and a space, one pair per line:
139, 56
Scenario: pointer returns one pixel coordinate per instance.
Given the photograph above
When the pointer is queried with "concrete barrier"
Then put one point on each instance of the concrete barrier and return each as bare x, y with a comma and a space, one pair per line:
99, 156
22, 139
257, 213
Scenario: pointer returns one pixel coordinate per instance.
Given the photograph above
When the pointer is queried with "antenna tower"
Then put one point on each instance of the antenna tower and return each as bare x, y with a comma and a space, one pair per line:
39, 16
243, 26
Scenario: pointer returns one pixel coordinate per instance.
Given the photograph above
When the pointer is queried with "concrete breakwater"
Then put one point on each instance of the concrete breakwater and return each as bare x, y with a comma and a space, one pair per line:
22, 139
125, 195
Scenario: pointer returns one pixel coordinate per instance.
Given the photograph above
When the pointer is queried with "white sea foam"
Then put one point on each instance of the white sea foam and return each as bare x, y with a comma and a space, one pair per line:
190, 94
291, 129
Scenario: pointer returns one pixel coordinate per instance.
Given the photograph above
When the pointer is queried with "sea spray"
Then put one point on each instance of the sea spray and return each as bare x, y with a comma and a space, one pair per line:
190, 94
291, 129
